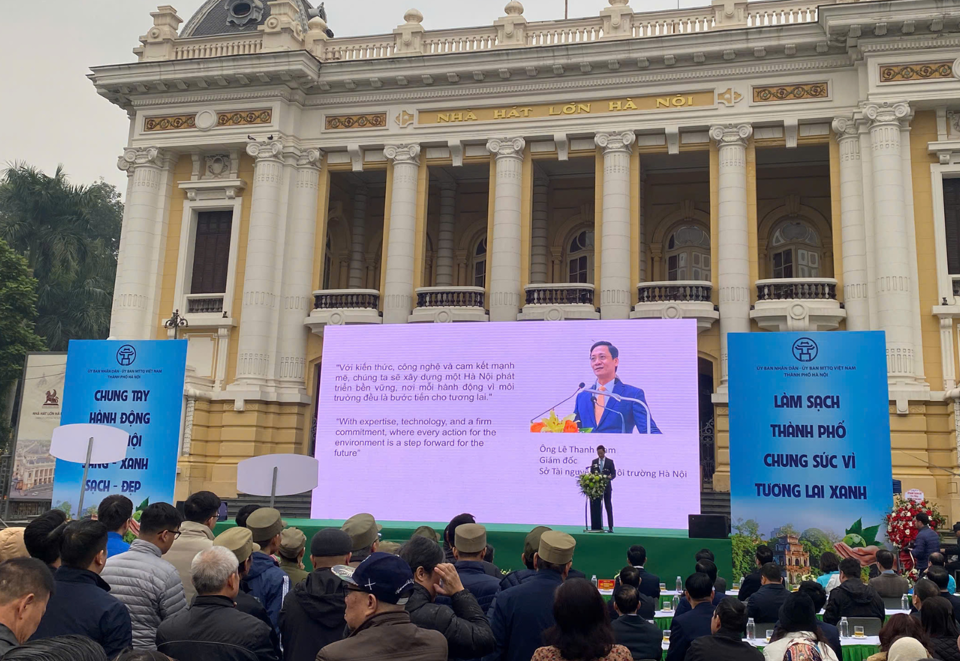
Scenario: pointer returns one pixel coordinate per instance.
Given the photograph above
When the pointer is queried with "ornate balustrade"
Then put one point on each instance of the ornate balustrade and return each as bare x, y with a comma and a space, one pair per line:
798, 304
678, 299
687, 291
446, 304
801, 289
560, 294
204, 303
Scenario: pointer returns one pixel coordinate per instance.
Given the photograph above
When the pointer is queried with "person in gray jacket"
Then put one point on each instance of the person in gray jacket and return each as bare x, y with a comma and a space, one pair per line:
142, 580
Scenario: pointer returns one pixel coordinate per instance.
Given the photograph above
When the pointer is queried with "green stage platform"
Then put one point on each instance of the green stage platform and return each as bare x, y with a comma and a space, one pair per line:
670, 553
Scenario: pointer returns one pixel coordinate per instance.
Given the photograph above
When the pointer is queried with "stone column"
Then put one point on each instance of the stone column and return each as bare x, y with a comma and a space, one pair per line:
503, 257
297, 289
733, 260
259, 296
852, 226
358, 233
398, 290
448, 203
893, 284
615, 224
132, 299
538, 236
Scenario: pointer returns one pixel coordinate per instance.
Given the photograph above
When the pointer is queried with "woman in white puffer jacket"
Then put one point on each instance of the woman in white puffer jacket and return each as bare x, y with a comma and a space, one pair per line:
798, 624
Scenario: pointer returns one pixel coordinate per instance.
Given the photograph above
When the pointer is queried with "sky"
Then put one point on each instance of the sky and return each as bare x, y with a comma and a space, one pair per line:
50, 113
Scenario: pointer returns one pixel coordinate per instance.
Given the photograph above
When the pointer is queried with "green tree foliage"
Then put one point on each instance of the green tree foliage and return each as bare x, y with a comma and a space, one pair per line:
70, 237
745, 538
18, 298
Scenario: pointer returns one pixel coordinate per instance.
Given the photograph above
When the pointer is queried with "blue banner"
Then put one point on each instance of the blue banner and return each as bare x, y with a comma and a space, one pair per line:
810, 443
136, 386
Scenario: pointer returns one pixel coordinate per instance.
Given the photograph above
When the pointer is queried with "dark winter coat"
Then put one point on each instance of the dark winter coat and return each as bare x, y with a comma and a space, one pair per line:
481, 585
463, 623
214, 630
852, 598
268, 583
312, 616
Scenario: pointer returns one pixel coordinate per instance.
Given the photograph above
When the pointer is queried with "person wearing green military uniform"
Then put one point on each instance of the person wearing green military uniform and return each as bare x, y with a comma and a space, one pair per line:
265, 580
293, 543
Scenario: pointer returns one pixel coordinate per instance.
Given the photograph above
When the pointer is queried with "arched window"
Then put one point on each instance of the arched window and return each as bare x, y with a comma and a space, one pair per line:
480, 264
580, 257
688, 253
795, 250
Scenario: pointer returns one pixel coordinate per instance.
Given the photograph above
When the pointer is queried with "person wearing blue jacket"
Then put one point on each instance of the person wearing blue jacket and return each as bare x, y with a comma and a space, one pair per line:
470, 541
82, 604
265, 580
927, 541
694, 623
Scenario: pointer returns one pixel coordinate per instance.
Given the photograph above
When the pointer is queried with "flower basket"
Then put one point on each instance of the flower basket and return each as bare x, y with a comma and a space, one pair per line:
592, 485
557, 425
901, 530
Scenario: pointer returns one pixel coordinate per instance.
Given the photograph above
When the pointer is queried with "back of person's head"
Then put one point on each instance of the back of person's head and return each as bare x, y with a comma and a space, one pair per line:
705, 554
924, 589
428, 532
885, 559
60, 648
923, 518
630, 575
939, 576
850, 568
488, 554
142, 655
898, 626
907, 649
816, 592
21, 577
707, 567
42, 536
764, 554
212, 568
732, 613
637, 555
698, 586
771, 572
829, 562
201, 506
936, 615
582, 629
114, 511
244, 513
798, 614
421, 552
938, 559
627, 599
159, 517
81, 542
451, 528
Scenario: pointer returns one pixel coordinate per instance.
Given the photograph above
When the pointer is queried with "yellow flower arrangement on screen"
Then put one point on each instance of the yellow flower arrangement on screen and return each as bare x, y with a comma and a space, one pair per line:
555, 425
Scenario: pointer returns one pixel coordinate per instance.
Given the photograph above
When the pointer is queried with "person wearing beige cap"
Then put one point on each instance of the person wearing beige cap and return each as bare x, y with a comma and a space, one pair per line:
530, 545
520, 615
265, 580
469, 546
293, 544
364, 534
240, 542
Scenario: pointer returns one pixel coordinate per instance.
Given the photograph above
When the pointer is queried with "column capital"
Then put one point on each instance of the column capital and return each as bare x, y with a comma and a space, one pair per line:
615, 140
845, 128
886, 112
405, 153
310, 158
731, 134
506, 147
265, 150
134, 157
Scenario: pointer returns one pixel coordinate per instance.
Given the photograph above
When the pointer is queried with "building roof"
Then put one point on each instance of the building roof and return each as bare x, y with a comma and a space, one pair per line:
218, 17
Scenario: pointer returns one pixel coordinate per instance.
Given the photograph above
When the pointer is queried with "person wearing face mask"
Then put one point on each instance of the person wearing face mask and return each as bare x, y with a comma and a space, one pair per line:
25, 588
462, 623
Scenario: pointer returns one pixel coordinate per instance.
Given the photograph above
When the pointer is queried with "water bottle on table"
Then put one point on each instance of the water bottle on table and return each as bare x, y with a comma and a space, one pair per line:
844, 628
751, 629
679, 585
905, 602
675, 603
593, 579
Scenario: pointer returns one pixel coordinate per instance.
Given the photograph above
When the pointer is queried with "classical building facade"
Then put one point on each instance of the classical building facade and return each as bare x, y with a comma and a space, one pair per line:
763, 166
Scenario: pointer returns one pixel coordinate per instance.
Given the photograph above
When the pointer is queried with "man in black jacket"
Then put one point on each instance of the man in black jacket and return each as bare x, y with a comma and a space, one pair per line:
463, 623
765, 604
852, 598
941, 578
530, 545
751, 582
649, 582
313, 612
695, 623
630, 629
212, 629
646, 606
729, 621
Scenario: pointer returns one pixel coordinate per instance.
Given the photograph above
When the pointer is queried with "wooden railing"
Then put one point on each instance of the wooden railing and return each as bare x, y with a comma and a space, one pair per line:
802, 289
346, 299
560, 294
450, 297
682, 291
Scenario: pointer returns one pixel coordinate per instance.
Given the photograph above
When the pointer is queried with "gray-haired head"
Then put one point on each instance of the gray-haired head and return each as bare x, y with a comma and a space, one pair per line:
212, 568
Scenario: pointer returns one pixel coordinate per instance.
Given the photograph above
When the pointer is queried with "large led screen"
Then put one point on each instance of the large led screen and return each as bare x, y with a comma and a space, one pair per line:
422, 422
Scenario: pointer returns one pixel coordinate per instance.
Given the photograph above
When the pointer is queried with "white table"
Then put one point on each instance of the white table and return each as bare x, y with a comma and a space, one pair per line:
844, 642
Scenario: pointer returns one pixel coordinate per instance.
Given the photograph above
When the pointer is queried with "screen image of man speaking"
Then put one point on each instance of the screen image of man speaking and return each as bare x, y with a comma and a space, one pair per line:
620, 412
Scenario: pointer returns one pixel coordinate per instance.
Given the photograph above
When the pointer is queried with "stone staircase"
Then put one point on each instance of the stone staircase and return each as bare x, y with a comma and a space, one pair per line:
715, 502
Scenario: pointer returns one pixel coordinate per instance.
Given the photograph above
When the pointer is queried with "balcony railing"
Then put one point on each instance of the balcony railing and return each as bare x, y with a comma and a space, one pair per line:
680, 291
204, 303
450, 297
346, 299
560, 294
956, 284
800, 289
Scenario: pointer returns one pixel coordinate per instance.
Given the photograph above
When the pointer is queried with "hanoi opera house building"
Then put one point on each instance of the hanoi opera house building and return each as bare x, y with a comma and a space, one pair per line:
766, 166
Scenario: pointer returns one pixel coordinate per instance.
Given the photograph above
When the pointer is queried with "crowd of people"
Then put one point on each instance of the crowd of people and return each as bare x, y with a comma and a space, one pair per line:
78, 590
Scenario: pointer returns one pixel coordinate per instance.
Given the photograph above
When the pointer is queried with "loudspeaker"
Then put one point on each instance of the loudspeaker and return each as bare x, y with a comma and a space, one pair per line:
709, 526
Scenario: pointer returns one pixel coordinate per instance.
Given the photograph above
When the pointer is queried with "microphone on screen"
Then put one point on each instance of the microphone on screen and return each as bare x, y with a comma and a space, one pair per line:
575, 393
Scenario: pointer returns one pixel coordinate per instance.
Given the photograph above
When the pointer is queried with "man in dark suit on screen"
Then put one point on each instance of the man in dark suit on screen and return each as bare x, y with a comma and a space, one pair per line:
603, 466
606, 414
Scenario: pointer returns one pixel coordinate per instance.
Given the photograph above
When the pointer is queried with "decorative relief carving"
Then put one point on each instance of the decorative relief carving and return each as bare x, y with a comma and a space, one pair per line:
244, 117
729, 97
403, 154
616, 141
376, 120
218, 166
170, 123
774, 93
506, 147
730, 134
404, 119
886, 112
901, 73
264, 150
134, 157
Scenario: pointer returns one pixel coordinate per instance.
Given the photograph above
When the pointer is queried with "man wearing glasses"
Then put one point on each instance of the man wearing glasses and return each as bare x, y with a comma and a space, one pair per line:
142, 580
